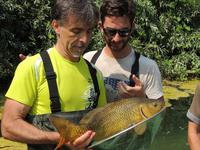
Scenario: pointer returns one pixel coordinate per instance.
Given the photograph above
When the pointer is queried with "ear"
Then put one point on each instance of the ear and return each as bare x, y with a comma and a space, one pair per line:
100, 25
56, 26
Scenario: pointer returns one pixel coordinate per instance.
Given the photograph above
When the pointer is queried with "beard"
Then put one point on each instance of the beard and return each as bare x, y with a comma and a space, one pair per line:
116, 46
77, 50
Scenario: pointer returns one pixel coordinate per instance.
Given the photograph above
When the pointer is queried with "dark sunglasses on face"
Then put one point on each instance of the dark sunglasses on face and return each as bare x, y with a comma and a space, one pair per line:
112, 32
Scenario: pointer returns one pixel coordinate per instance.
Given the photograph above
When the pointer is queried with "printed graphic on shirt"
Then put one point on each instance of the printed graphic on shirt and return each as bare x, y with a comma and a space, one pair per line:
90, 96
112, 92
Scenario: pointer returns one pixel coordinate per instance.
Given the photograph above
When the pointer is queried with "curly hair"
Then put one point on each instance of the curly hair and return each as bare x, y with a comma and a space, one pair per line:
118, 8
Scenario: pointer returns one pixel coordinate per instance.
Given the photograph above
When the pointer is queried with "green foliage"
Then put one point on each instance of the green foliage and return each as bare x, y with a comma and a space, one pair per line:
97, 41
181, 67
167, 31
24, 28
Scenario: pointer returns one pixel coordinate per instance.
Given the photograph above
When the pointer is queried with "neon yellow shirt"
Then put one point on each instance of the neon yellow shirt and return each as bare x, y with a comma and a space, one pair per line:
74, 82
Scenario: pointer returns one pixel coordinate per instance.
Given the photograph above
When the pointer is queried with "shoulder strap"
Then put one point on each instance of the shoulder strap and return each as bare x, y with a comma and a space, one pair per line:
93, 73
51, 79
135, 68
95, 57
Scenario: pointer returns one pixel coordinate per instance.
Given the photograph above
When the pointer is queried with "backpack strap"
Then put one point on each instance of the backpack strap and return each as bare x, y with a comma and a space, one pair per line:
93, 73
51, 80
95, 57
135, 68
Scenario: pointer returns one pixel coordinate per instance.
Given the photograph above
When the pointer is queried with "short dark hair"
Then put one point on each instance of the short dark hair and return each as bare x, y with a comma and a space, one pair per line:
85, 10
118, 8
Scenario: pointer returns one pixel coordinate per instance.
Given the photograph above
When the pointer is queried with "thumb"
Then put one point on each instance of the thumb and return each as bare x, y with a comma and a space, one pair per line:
136, 80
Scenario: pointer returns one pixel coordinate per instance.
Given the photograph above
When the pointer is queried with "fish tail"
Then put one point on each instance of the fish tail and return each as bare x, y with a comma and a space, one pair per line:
61, 142
0, 129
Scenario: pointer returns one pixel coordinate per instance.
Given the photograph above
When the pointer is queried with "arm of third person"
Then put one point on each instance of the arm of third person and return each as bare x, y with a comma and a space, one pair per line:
22, 57
194, 135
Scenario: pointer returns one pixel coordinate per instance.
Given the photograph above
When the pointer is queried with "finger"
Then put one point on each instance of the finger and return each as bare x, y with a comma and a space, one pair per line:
136, 80
138, 88
84, 145
121, 88
84, 140
125, 91
126, 87
22, 57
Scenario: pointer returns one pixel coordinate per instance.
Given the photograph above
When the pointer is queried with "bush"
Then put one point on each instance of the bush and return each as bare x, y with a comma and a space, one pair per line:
167, 31
24, 28
181, 67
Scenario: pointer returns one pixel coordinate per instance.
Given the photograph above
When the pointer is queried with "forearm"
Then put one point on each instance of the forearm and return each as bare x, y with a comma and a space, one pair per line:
194, 141
22, 131
14, 127
193, 136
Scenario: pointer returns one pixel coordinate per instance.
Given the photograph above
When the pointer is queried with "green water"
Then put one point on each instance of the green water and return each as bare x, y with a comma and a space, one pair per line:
173, 130
171, 141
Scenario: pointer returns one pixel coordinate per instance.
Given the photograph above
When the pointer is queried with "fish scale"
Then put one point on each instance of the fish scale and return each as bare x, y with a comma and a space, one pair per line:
110, 119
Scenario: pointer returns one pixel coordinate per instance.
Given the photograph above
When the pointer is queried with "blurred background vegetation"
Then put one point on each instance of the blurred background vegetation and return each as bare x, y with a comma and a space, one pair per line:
167, 31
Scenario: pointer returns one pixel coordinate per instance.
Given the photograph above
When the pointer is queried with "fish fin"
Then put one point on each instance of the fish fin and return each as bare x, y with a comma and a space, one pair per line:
68, 130
140, 129
0, 128
61, 142
90, 115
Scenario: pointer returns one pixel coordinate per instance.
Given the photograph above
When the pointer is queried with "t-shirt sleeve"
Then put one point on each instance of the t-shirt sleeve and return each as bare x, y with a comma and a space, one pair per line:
153, 87
23, 85
194, 111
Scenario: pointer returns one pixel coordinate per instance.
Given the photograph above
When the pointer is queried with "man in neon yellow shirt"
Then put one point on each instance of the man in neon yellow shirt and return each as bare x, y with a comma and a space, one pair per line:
28, 98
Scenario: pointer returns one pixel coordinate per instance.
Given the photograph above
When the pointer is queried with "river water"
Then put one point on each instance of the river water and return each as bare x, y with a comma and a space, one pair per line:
172, 134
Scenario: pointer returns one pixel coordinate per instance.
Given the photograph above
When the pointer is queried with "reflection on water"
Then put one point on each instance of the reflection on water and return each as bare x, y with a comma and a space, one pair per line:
172, 134
131, 140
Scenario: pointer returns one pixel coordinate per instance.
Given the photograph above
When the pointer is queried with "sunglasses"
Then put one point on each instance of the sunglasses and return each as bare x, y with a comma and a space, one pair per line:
112, 32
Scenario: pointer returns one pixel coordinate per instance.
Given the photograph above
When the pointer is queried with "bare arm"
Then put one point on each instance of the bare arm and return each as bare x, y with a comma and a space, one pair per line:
194, 135
15, 128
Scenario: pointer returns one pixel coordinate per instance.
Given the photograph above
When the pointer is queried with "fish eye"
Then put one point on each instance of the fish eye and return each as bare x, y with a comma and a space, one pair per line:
155, 104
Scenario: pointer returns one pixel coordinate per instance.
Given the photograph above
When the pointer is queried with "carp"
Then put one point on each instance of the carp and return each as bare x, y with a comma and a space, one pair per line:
107, 120
0, 129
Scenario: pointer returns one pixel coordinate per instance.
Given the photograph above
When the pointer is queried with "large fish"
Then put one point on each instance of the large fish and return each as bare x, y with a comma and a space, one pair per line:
0, 128
108, 120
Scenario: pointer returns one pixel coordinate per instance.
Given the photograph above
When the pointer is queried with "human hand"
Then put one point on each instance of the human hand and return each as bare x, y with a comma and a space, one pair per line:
127, 91
22, 57
82, 142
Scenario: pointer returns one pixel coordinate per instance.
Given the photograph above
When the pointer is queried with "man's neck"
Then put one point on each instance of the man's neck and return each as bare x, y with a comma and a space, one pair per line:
117, 54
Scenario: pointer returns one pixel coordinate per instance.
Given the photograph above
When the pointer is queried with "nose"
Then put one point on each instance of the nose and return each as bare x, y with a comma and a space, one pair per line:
85, 37
116, 37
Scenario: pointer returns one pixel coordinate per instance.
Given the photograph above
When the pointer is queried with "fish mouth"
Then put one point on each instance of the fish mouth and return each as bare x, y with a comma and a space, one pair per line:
142, 113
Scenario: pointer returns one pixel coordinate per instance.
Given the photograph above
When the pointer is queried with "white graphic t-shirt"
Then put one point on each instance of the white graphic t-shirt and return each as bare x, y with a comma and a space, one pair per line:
115, 70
